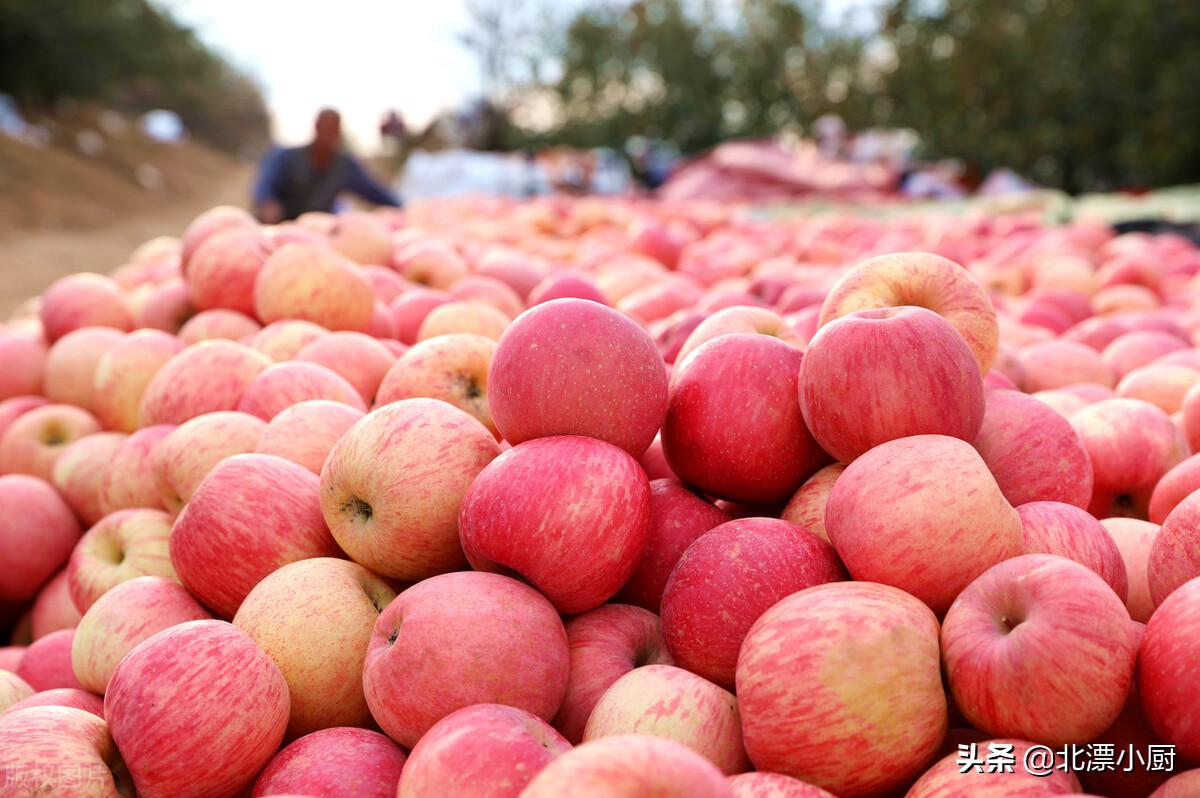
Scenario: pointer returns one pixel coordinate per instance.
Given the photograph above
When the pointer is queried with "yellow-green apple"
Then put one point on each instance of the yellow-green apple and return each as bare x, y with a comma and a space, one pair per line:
314, 618
1135, 539
924, 280
24, 358
740, 319
566, 285
283, 340
333, 763
80, 470
876, 375
675, 704
1131, 444
60, 751
629, 764
773, 785
948, 778
394, 507
36, 439
46, 663
840, 686
206, 687
605, 644
252, 514
727, 579
123, 617
130, 480
83, 300
1032, 451
1162, 385
163, 306
923, 514
1039, 647
489, 290
190, 451
677, 517
1060, 362
574, 367
452, 368
124, 371
459, 639
1182, 785
121, 546
313, 283
1175, 556
734, 426
306, 432
285, 384
1167, 677
12, 689
209, 325
430, 262
410, 309
38, 531
806, 508
481, 751
1137, 348
222, 270
203, 378
1068, 531
54, 609
478, 318
577, 537
61, 697
222, 217
13, 408
359, 359
71, 365
1175, 486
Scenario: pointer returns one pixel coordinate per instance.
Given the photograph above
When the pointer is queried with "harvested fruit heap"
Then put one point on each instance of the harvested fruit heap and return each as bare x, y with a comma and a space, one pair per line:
580, 497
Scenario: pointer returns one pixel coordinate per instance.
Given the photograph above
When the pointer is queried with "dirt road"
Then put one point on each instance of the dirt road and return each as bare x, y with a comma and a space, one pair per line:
30, 261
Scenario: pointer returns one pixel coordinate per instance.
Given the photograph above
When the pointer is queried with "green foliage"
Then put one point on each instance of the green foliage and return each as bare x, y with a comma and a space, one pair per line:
129, 53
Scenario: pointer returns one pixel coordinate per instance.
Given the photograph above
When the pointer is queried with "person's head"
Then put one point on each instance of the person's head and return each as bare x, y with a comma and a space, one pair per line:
328, 128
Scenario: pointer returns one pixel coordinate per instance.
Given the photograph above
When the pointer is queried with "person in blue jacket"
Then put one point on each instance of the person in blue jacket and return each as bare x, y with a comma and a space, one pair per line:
311, 177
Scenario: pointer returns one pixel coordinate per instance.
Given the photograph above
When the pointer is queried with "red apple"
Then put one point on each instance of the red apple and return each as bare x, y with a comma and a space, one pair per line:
46, 663
306, 432
71, 365
209, 325
949, 778
313, 283
24, 358
35, 440
13, 689
80, 470
54, 609
1175, 486
222, 271
1167, 677
61, 697
1183, 785
359, 359
37, 534
120, 547
283, 340
477, 318
331, 762
1066, 530
60, 751
773, 785
452, 368
123, 373
222, 217
204, 378
130, 481
83, 300
190, 451
1134, 540
410, 309
285, 384
1175, 555
739, 319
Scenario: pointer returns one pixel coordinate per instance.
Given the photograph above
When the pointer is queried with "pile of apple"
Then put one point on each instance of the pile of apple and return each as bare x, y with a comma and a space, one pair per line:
584, 497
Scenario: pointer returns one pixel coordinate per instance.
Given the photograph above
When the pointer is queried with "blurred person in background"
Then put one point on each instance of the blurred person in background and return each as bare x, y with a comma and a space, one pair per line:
311, 177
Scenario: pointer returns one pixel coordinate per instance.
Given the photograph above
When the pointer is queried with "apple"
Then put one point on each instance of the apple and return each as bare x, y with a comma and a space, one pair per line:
80, 470
654, 462
218, 699
677, 517
1066, 530
385, 282
481, 751
714, 444
359, 359
71, 365
121, 619
314, 619
923, 514
1181, 786
285, 384
61, 697
740, 319
806, 508
490, 291
121, 546
946, 779
395, 508
452, 368
1039, 647
568, 514
773, 785
124, 371
840, 686
251, 515
1131, 444
661, 299
17, 406
430, 262
1137, 348
410, 309
186, 455
46, 663
36, 439
213, 220
37, 534
727, 579
513, 268
672, 703
1175, 555
313, 283
306, 432
671, 333
54, 609
566, 285
219, 324
222, 271
629, 764
24, 358
1175, 486
60, 751
1132, 778
13, 689
130, 481
83, 300
876, 375
574, 367
477, 318
460, 639
331, 762
1135, 540
1059, 363
203, 378
283, 340
1167, 679
162, 306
